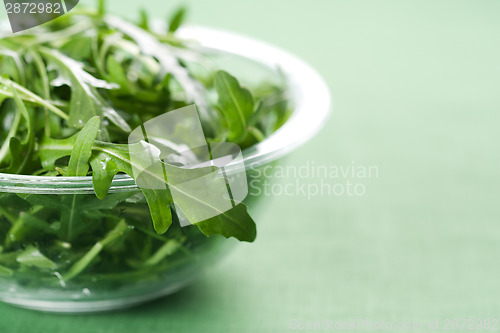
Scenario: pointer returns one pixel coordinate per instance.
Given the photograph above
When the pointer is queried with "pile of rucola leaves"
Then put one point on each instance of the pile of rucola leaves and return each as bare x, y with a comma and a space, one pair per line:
71, 91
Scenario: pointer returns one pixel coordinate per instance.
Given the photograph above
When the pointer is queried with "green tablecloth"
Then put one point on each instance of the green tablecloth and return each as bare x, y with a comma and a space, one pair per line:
416, 87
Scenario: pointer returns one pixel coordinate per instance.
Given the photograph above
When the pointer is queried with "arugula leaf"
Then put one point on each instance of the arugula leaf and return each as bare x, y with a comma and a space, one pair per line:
4, 271
44, 86
151, 46
28, 96
12, 65
50, 150
32, 257
120, 229
167, 249
110, 159
85, 101
12, 132
176, 20
117, 74
235, 222
143, 19
101, 7
82, 149
236, 103
20, 151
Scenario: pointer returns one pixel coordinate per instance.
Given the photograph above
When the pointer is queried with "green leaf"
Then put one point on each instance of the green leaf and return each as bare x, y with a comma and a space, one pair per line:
82, 150
158, 202
44, 86
70, 217
110, 159
4, 150
143, 19
34, 222
170, 247
117, 74
78, 213
32, 257
109, 202
236, 103
12, 65
85, 101
101, 7
120, 229
28, 96
235, 222
21, 151
4, 271
50, 150
48, 200
149, 45
177, 19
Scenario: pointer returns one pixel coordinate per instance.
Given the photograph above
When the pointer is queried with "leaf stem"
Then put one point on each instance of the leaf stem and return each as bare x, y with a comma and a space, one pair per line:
31, 97
167, 249
86, 260
258, 135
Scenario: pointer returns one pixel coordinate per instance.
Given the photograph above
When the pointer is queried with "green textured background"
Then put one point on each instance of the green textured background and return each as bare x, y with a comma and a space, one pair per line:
416, 88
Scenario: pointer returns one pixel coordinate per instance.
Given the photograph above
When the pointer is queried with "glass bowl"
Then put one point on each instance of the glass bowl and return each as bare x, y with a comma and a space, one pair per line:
45, 268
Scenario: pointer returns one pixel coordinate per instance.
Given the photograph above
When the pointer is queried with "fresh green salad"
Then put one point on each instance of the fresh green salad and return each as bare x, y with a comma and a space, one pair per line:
71, 91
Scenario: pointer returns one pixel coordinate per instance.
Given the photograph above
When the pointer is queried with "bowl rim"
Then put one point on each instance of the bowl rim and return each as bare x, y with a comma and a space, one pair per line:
311, 100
